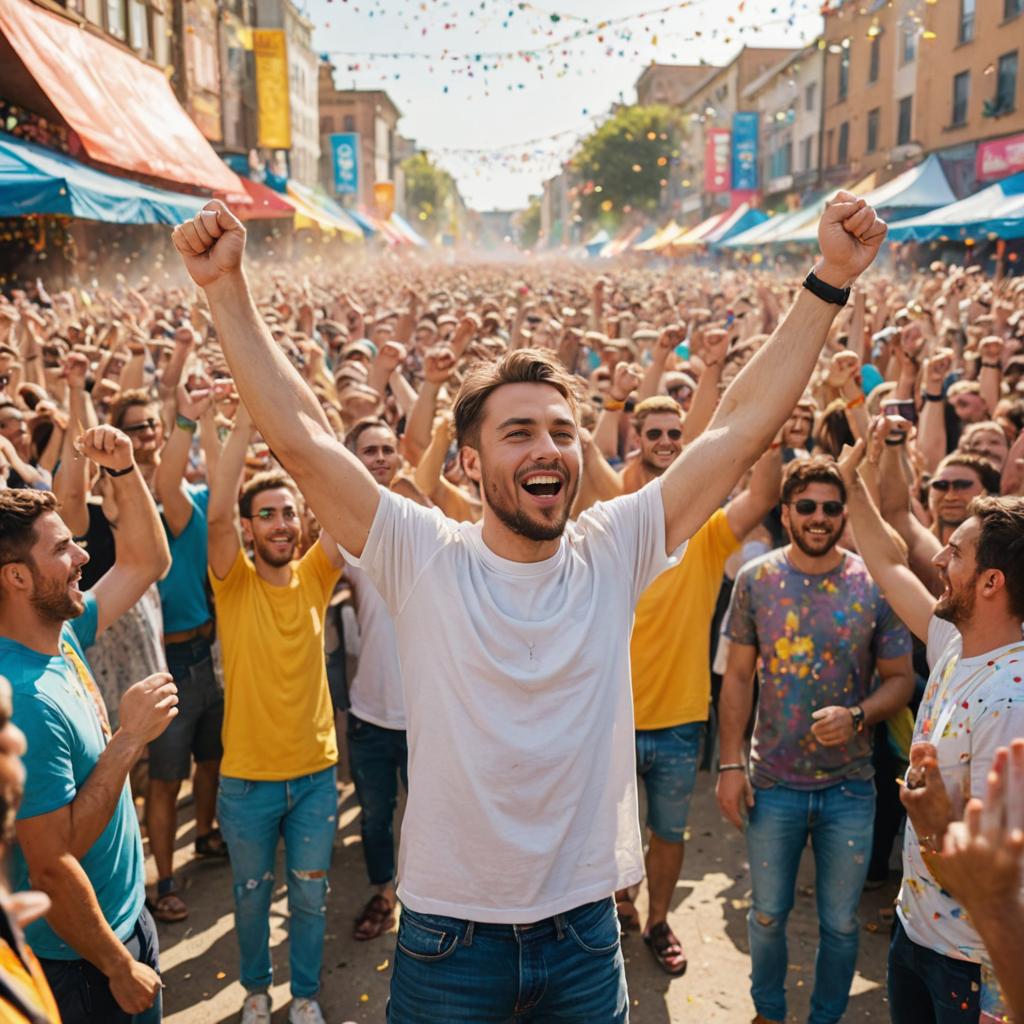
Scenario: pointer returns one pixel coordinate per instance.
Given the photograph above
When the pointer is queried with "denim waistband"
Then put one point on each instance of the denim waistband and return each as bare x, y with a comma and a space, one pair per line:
546, 928
195, 649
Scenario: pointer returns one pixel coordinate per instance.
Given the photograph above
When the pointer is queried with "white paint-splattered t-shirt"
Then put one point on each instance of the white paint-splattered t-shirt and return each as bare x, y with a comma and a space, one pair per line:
971, 707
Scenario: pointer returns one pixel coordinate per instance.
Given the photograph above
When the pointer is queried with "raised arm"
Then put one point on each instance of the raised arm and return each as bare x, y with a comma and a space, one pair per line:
71, 481
705, 398
438, 363
142, 553
170, 473
343, 495
760, 496
762, 396
883, 552
931, 431
224, 545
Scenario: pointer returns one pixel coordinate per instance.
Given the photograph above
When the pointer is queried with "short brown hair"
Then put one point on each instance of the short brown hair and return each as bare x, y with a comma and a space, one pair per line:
126, 400
361, 426
987, 473
1001, 543
652, 405
19, 510
524, 366
819, 469
271, 480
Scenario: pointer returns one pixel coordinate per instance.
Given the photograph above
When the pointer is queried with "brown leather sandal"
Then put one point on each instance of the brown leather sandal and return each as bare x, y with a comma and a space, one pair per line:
168, 908
377, 917
667, 949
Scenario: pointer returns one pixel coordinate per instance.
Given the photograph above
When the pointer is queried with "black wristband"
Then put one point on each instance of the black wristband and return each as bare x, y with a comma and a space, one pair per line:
118, 472
826, 292
991, 366
933, 398
895, 443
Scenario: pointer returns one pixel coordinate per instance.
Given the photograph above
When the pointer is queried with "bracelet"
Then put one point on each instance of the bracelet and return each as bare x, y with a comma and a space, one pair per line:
826, 292
737, 767
118, 472
615, 405
991, 366
933, 398
185, 423
895, 442
859, 400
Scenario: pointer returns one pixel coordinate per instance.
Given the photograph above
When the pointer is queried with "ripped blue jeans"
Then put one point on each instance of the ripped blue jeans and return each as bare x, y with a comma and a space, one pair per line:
839, 821
253, 817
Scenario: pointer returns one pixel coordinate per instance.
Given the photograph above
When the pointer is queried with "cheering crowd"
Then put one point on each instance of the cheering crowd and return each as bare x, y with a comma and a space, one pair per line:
513, 539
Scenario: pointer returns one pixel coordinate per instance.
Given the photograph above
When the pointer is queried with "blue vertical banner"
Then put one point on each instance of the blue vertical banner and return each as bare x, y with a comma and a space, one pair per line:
345, 160
744, 150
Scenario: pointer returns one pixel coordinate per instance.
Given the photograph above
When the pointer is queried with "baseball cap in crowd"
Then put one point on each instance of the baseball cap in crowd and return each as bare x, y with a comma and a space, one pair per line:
361, 348
331, 328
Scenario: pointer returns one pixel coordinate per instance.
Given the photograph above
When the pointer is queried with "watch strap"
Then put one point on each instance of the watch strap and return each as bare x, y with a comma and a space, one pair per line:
826, 292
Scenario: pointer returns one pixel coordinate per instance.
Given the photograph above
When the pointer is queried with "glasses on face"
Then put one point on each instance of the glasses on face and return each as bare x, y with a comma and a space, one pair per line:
806, 507
266, 514
137, 428
674, 434
942, 486
680, 393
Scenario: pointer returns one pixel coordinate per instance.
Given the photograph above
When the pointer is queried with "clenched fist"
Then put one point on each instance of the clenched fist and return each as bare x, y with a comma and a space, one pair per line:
211, 244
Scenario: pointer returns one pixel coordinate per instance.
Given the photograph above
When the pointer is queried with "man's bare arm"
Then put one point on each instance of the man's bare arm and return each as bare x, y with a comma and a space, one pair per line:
341, 492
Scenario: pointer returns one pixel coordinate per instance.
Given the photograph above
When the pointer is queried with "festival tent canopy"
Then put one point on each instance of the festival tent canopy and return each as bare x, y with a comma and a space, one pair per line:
597, 242
659, 238
740, 219
997, 210
323, 212
265, 203
408, 232
34, 179
621, 242
698, 234
123, 110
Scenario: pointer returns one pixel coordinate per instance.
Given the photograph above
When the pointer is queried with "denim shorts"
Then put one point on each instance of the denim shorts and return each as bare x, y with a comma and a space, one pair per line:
667, 761
195, 730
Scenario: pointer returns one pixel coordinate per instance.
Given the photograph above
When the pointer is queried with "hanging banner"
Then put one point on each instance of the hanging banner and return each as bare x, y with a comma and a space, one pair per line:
999, 158
271, 53
717, 177
345, 161
384, 198
744, 150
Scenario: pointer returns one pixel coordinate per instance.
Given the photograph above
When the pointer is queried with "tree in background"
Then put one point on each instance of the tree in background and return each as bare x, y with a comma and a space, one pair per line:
528, 223
429, 193
624, 165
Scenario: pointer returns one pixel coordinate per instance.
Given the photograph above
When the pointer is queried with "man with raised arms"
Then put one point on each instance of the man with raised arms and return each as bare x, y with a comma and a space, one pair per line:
513, 636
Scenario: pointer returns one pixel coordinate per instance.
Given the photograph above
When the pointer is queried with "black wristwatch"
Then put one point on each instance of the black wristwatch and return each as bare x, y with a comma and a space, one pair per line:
933, 398
857, 714
826, 292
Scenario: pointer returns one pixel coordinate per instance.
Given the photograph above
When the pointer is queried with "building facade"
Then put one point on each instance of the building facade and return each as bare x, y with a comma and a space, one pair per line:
669, 84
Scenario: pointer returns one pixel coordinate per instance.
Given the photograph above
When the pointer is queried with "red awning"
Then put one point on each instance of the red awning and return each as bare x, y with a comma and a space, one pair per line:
265, 204
123, 110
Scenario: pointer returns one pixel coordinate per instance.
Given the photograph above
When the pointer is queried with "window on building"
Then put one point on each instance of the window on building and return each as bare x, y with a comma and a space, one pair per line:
966, 32
161, 42
829, 136
961, 95
876, 42
782, 160
844, 143
138, 27
807, 153
350, 123
810, 96
905, 122
1011, 8
115, 17
844, 75
874, 117
908, 42
1006, 83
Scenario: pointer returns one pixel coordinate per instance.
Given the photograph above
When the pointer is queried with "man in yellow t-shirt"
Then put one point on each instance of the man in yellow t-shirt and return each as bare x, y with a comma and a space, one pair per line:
670, 656
280, 751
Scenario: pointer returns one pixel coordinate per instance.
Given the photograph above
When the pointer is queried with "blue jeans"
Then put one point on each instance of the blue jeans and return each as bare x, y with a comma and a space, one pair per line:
839, 821
926, 987
82, 991
253, 816
667, 761
378, 757
567, 968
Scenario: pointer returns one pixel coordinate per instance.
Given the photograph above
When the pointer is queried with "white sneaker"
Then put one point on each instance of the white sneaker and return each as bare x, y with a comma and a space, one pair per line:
305, 1011
256, 1009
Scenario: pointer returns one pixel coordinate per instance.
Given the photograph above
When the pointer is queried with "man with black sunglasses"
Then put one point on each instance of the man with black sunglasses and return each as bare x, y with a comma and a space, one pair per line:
813, 623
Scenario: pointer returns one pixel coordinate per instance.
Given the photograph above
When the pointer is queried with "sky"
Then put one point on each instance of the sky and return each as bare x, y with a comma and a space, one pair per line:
502, 122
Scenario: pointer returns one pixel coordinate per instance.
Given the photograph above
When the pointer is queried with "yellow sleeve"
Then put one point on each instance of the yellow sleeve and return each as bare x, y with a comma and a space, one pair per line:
237, 574
721, 541
316, 567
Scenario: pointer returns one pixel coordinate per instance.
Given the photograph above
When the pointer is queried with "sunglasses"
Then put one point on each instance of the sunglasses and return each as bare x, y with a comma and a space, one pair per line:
135, 428
266, 514
680, 391
655, 432
957, 485
806, 507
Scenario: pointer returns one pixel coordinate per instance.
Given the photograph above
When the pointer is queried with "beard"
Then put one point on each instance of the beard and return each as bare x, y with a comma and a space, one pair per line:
51, 599
818, 547
958, 605
517, 519
266, 552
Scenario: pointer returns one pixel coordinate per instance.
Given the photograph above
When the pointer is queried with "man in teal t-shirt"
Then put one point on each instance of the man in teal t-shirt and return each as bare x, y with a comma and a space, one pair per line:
77, 832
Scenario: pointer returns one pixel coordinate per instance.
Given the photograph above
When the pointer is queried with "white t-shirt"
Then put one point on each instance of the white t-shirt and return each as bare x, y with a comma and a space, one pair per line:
522, 784
375, 694
971, 707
